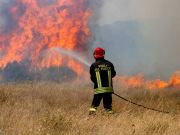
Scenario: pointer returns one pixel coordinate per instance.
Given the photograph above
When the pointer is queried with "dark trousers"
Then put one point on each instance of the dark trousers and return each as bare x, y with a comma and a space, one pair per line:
107, 100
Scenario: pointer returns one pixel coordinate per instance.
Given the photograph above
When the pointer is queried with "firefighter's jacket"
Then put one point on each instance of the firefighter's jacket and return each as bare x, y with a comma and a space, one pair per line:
102, 72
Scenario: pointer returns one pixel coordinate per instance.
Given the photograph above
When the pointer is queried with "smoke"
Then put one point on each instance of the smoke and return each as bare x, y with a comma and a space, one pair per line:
7, 21
2, 18
141, 36
18, 72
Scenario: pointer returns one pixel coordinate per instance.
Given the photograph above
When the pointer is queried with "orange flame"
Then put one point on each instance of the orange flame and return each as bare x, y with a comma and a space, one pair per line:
175, 80
139, 81
42, 25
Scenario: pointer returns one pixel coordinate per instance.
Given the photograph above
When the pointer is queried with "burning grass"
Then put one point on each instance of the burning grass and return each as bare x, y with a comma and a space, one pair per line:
49, 108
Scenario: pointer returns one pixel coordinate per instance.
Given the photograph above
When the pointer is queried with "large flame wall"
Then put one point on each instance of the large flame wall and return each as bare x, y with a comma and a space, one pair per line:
37, 26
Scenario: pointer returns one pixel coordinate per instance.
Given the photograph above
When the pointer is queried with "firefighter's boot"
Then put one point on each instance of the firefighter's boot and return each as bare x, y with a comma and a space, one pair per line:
109, 111
92, 111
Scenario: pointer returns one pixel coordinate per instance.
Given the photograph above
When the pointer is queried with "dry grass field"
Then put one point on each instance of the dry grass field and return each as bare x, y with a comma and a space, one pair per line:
55, 109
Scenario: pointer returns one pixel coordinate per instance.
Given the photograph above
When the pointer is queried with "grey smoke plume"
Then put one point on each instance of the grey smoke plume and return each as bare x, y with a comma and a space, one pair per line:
141, 35
18, 72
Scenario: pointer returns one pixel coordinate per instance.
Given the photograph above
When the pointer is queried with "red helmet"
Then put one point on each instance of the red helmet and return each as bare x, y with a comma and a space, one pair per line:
99, 53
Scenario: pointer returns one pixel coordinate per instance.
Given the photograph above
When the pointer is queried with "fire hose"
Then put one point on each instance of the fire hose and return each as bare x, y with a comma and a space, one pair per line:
148, 108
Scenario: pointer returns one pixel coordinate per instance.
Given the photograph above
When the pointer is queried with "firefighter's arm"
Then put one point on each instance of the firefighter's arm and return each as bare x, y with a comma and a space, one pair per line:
92, 74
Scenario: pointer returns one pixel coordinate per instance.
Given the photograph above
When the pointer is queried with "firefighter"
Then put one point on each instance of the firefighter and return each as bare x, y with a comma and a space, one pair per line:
102, 72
